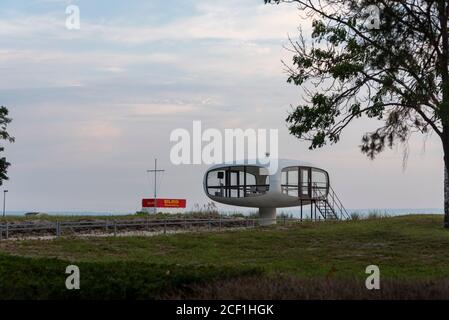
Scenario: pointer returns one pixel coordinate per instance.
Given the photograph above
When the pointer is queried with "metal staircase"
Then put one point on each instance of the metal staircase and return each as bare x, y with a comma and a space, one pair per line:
329, 207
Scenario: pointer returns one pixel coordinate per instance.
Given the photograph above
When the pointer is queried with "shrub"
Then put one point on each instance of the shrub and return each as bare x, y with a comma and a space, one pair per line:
377, 214
355, 216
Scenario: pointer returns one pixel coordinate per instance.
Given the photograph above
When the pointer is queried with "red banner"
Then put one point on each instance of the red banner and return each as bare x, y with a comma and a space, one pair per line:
164, 203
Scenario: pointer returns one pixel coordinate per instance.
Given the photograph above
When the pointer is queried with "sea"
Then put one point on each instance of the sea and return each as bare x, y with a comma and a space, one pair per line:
295, 212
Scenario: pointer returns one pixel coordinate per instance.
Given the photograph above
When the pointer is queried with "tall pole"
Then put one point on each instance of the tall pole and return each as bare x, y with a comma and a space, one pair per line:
155, 171
155, 185
4, 201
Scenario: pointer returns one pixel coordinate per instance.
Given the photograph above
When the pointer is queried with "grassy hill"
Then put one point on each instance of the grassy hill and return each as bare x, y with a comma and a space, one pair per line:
308, 260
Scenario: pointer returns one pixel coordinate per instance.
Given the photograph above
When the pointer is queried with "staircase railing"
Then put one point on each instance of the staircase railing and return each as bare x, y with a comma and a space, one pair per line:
333, 202
336, 203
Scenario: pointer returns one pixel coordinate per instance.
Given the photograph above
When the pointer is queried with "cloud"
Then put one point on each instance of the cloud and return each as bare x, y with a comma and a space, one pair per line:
193, 46
98, 129
230, 20
92, 108
158, 109
245, 25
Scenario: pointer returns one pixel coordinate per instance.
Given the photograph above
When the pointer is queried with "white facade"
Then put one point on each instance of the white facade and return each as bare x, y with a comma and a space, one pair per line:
251, 185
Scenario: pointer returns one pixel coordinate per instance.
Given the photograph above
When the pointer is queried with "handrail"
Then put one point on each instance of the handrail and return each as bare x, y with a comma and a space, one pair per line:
324, 197
339, 203
335, 204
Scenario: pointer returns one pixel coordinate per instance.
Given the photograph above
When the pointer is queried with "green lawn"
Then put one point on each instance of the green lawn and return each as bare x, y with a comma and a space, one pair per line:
405, 248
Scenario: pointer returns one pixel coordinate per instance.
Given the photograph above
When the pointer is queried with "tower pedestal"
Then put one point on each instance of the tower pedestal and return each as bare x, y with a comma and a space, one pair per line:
267, 216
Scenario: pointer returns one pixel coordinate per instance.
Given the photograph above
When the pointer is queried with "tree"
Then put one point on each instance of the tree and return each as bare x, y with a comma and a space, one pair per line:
4, 135
386, 59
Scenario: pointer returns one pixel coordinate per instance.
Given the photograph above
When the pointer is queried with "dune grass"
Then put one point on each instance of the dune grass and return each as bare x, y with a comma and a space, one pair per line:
406, 248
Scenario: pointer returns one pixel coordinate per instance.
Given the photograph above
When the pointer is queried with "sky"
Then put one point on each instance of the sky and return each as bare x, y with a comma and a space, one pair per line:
93, 107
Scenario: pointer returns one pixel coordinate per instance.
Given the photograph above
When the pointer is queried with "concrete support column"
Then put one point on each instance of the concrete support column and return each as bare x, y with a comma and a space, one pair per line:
267, 216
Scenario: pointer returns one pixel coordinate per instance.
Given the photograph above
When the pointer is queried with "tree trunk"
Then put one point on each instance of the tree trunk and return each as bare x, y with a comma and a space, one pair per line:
445, 144
443, 67
446, 192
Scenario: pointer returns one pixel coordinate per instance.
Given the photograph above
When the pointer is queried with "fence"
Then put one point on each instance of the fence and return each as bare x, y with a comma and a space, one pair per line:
115, 227
60, 228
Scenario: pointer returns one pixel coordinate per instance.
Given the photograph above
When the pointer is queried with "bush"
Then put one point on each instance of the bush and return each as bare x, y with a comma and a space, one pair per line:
355, 216
377, 214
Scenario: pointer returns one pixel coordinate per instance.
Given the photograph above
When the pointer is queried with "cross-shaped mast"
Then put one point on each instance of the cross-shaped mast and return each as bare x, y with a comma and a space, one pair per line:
155, 171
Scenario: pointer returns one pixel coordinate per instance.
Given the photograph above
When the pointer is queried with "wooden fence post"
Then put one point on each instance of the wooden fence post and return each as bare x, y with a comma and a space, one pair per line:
115, 228
7, 231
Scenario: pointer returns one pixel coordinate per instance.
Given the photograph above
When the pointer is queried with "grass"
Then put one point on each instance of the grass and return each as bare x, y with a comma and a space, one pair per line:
406, 248
22, 278
138, 215
292, 288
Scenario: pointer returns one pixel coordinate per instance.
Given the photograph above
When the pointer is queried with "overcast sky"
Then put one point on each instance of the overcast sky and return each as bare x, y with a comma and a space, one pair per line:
93, 107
